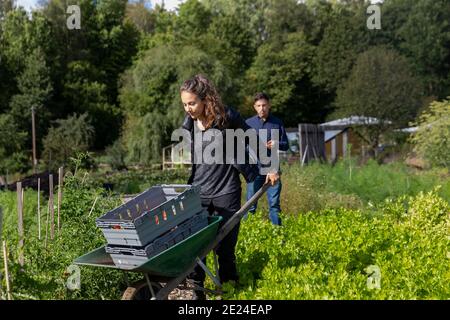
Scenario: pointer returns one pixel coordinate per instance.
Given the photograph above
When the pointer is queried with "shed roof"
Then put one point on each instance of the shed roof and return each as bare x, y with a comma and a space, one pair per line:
352, 121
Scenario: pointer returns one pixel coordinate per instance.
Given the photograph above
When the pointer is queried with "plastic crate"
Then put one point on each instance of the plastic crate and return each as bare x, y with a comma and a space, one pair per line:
149, 215
131, 257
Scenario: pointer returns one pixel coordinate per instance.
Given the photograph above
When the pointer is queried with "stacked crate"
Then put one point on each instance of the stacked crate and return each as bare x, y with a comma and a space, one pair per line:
150, 223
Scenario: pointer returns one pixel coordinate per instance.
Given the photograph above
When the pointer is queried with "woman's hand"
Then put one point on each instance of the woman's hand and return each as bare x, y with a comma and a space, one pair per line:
270, 145
272, 178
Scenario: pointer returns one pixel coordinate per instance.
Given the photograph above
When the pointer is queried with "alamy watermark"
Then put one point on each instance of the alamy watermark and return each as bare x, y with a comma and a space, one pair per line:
374, 279
229, 146
74, 280
74, 20
374, 20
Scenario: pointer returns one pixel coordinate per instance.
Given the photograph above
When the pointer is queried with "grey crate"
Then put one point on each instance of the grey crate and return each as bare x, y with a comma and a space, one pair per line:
150, 214
131, 257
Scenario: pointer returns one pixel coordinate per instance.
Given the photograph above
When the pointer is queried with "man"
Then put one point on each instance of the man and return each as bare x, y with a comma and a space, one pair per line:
265, 121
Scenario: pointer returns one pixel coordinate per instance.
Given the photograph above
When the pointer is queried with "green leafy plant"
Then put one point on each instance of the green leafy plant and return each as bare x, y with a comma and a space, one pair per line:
432, 140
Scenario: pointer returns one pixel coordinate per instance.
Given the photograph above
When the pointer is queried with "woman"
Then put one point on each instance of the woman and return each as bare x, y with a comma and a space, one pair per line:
219, 182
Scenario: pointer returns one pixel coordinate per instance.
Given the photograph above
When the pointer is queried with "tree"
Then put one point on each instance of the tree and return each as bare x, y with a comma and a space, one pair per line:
84, 94
69, 136
193, 19
145, 138
264, 19
141, 17
344, 37
227, 40
282, 68
90, 62
426, 36
5, 7
12, 146
151, 90
381, 85
35, 90
432, 140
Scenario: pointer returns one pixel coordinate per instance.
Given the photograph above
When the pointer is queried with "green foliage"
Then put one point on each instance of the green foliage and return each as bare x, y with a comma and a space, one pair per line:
90, 62
5, 7
230, 42
115, 155
325, 255
352, 186
70, 136
250, 14
91, 97
141, 17
12, 140
34, 91
432, 140
303, 53
45, 274
282, 68
151, 99
427, 46
145, 139
364, 92
193, 18
344, 36
317, 255
136, 181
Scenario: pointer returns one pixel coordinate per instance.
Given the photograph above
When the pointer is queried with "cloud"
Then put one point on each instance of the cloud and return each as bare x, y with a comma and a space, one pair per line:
27, 4
169, 4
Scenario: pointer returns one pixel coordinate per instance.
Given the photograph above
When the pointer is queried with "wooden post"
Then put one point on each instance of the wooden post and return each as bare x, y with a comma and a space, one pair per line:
93, 205
1, 222
39, 208
52, 209
46, 224
60, 186
33, 129
300, 142
20, 221
5, 260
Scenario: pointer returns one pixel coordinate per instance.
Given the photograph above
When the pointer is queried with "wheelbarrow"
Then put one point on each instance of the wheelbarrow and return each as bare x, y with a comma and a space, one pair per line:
168, 270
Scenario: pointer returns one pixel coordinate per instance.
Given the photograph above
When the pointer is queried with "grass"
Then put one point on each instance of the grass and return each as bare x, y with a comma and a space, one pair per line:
319, 186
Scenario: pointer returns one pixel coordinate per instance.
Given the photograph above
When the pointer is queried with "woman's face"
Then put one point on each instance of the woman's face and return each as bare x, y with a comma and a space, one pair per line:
193, 105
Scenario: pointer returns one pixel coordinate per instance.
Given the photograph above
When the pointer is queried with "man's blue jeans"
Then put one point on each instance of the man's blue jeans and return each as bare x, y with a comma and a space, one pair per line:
273, 197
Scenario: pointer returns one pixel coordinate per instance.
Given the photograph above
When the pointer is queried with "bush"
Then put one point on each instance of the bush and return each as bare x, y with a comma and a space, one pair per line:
325, 255
432, 140
316, 187
45, 274
12, 141
145, 137
72, 135
116, 155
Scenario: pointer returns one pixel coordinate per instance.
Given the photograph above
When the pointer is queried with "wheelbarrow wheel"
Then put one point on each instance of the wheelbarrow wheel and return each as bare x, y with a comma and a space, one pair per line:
140, 291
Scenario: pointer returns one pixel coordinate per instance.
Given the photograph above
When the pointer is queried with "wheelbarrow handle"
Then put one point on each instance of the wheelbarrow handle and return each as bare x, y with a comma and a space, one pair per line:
231, 223
234, 220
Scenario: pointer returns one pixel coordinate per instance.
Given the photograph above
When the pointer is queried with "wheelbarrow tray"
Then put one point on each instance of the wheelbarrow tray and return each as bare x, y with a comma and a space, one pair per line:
169, 263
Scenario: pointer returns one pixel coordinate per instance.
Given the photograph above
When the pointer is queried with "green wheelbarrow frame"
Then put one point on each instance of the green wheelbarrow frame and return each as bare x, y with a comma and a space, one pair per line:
173, 265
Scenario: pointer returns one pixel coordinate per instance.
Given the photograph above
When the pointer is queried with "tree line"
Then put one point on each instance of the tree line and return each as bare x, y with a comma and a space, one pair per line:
114, 84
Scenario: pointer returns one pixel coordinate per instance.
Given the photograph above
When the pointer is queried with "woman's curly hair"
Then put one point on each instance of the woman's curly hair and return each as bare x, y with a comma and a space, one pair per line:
206, 91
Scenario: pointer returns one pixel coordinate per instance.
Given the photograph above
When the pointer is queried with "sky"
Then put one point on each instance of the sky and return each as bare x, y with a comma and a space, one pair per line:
169, 4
